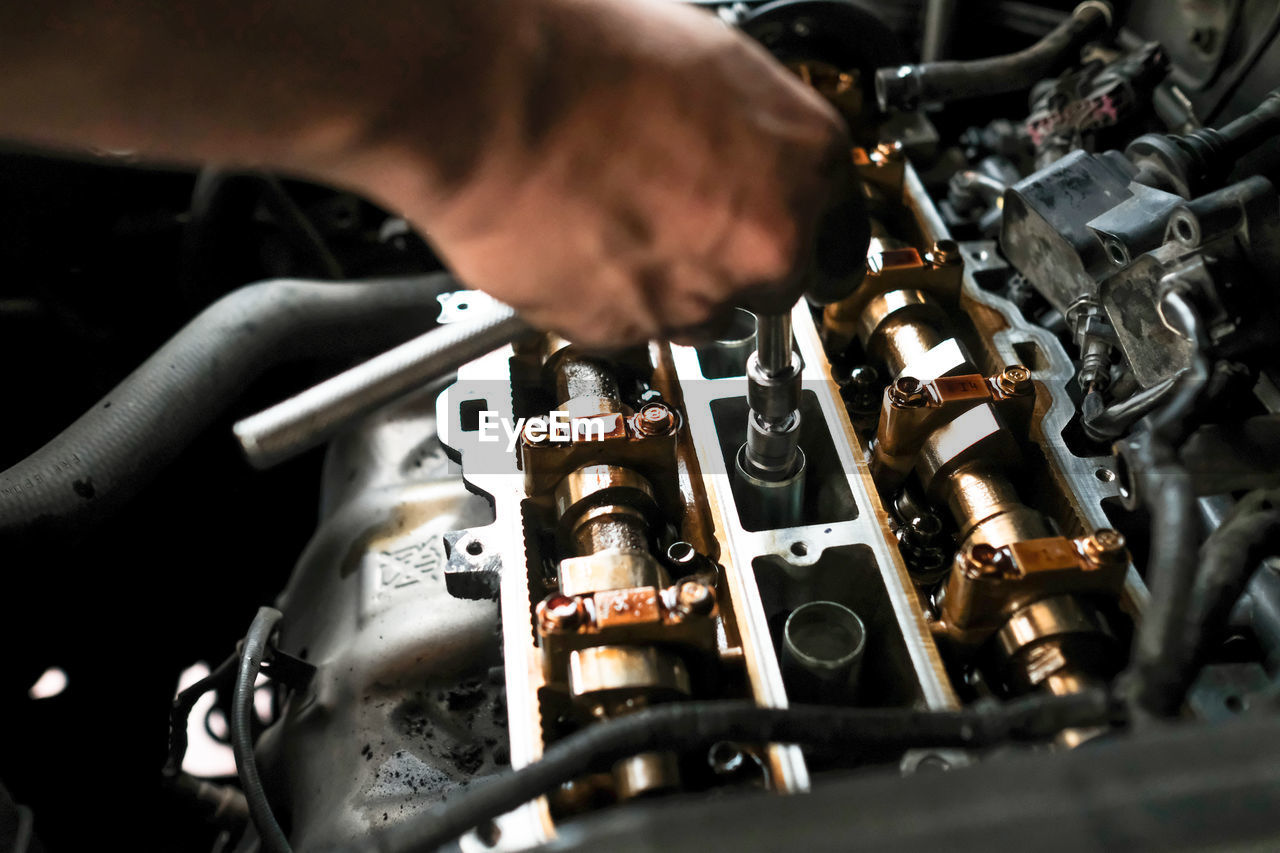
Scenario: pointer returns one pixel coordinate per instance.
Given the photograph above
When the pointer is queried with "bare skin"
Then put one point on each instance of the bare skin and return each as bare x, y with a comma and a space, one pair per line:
617, 170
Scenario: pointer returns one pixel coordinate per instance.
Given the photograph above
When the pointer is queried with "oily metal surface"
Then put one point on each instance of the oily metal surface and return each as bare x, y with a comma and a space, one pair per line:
1087, 480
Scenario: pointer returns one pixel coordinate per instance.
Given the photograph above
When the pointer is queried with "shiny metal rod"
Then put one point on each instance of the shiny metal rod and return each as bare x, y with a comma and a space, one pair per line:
317, 414
773, 343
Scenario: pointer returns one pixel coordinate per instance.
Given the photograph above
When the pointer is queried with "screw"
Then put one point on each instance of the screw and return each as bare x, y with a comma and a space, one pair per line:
655, 419
1106, 547
561, 613
982, 560
695, 597
1015, 380
890, 152
907, 392
945, 253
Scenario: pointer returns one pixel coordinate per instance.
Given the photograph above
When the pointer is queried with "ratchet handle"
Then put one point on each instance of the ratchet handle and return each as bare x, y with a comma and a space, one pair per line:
317, 414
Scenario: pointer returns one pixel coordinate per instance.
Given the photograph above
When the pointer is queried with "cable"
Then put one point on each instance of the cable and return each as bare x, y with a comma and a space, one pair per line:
691, 725
1166, 489
294, 222
255, 648
180, 712
112, 451
908, 86
1230, 556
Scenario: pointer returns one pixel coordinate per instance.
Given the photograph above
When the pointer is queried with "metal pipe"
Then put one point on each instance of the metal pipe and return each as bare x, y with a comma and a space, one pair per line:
317, 414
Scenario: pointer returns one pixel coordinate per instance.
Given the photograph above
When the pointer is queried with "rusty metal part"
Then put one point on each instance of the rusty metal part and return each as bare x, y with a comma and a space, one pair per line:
614, 679
655, 419
607, 569
600, 438
683, 615
933, 280
989, 585
561, 613
912, 410
583, 384
606, 507
695, 597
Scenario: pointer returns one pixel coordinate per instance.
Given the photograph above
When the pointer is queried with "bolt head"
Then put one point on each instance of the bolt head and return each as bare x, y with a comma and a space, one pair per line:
907, 391
655, 419
1015, 380
1106, 547
983, 560
561, 613
945, 253
696, 597
890, 152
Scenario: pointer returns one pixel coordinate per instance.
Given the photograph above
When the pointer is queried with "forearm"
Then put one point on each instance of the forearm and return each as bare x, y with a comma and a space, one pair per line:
317, 87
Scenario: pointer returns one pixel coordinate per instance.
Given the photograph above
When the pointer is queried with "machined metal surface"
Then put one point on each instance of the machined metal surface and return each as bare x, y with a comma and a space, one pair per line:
1088, 480
407, 703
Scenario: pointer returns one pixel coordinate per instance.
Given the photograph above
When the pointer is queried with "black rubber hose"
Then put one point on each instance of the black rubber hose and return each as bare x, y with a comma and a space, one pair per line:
908, 86
1166, 488
255, 648
693, 725
103, 459
1253, 129
1171, 574
1228, 559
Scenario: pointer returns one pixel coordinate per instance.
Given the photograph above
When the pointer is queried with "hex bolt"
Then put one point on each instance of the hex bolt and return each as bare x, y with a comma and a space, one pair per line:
890, 152
655, 419
945, 253
696, 597
1015, 380
907, 392
561, 613
1106, 547
983, 559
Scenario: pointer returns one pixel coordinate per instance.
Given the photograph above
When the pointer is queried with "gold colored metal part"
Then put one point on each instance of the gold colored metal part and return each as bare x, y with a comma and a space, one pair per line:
882, 169
912, 410
989, 585
897, 270
610, 569
634, 616
646, 773
613, 679
839, 87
